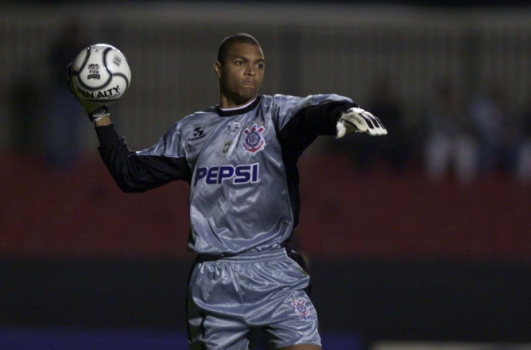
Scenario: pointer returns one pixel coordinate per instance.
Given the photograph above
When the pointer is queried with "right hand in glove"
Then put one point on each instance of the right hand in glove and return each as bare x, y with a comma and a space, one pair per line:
94, 110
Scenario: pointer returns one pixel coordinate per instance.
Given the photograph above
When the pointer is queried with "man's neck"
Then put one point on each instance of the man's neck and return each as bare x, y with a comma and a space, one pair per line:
226, 103
234, 106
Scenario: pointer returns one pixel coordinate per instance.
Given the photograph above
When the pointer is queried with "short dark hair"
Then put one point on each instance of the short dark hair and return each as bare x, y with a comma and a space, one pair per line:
238, 38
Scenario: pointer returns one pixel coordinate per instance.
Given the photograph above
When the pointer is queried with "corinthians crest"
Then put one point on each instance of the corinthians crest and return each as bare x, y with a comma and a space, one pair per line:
254, 141
301, 309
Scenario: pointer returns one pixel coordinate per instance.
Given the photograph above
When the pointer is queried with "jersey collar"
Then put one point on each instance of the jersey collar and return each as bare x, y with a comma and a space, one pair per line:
239, 111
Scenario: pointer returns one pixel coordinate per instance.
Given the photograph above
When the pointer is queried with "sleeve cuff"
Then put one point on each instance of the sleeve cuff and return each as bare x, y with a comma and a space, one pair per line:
342, 108
106, 134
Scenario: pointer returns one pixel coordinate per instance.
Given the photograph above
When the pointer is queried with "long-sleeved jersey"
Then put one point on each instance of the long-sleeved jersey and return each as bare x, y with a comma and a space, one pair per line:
241, 165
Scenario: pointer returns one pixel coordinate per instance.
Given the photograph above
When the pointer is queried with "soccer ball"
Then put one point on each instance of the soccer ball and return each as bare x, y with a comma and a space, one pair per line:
100, 73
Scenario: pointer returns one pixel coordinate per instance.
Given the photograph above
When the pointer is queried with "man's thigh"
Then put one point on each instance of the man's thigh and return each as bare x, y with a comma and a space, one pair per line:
276, 302
214, 308
227, 298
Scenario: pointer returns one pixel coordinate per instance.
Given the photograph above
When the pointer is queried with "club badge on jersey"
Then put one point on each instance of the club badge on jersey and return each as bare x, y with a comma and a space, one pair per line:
254, 141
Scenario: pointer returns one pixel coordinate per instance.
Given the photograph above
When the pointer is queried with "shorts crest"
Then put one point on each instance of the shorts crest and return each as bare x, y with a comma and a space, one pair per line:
302, 310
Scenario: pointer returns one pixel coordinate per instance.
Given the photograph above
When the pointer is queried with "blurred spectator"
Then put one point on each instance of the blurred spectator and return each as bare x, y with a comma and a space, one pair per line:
367, 151
495, 124
25, 106
393, 148
449, 143
63, 136
523, 166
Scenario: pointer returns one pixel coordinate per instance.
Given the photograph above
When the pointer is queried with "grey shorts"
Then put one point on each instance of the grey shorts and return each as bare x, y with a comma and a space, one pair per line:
229, 296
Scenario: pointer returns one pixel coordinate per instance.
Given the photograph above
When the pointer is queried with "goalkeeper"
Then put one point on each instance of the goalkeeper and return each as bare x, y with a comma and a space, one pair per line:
240, 159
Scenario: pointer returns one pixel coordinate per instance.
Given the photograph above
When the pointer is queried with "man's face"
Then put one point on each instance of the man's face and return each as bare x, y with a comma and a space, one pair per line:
241, 74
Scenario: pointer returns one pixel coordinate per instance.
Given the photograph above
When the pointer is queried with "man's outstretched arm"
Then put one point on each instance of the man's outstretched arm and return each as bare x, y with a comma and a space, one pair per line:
334, 118
133, 172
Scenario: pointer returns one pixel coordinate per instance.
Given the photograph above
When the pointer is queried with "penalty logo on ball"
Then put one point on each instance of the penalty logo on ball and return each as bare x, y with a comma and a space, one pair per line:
111, 93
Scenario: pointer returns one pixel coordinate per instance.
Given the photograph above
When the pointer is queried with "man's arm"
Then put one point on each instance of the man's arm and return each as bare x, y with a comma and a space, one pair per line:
311, 121
333, 115
133, 172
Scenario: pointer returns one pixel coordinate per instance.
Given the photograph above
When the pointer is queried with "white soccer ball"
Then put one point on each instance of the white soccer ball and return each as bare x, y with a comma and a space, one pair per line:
100, 73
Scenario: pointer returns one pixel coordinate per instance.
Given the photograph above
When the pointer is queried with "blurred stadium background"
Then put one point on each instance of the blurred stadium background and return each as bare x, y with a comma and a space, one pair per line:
408, 250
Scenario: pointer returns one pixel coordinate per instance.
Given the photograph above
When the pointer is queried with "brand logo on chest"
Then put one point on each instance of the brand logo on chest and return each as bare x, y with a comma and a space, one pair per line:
198, 133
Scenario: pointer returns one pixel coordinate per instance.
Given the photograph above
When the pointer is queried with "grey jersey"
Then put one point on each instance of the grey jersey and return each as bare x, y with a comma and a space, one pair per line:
241, 166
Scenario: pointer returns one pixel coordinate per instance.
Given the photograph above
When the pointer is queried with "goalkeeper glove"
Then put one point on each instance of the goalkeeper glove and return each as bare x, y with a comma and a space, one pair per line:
358, 120
94, 110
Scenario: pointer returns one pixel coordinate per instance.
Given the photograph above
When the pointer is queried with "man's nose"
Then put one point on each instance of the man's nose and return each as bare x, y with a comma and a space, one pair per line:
250, 71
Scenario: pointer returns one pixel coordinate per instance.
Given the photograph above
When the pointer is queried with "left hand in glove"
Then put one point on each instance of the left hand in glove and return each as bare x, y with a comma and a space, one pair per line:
359, 120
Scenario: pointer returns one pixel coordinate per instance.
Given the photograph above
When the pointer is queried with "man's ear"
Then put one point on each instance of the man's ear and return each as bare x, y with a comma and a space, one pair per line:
217, 68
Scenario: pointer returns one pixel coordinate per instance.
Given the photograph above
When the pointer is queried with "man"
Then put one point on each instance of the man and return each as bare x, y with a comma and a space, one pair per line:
240, 159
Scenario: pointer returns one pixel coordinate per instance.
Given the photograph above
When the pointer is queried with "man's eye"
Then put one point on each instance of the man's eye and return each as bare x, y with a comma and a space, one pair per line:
239, 63
260, 66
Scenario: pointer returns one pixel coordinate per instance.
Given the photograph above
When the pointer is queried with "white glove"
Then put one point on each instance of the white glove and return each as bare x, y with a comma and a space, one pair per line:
358, 120
94, 110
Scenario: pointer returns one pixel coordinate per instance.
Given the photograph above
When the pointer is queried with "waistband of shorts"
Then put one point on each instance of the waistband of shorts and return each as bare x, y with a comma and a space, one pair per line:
248, 256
